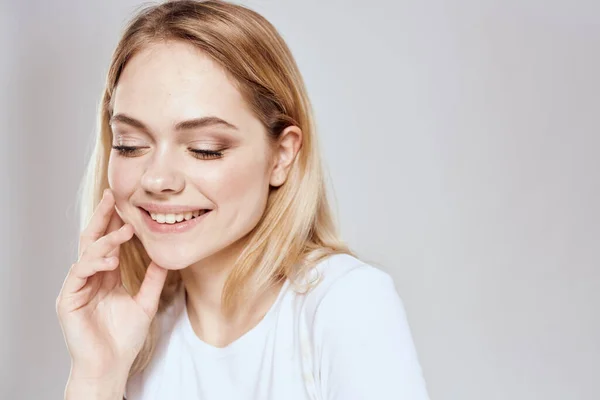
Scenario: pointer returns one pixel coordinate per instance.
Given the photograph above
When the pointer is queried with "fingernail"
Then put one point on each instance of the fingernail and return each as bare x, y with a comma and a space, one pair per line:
110, 260
104, 193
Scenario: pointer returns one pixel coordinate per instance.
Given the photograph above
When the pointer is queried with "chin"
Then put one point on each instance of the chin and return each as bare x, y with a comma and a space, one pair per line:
179, 254
170, 264
171, 257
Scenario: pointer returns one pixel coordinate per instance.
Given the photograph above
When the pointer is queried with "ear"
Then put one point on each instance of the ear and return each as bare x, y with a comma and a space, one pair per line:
284, 154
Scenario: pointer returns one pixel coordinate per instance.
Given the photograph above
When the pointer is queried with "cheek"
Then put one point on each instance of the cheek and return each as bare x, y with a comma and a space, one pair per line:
242, 181
122, 178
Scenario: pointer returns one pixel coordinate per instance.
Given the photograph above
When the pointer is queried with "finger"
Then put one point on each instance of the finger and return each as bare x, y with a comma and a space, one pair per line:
111, 279
107, 244
115, 221
114, 224
149, 294
80, 272
98, 223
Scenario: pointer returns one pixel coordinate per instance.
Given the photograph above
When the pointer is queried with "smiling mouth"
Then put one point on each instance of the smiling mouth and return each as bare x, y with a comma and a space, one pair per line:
175, 218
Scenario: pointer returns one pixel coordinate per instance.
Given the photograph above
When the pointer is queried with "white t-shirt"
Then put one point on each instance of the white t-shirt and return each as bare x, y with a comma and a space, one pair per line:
346, 339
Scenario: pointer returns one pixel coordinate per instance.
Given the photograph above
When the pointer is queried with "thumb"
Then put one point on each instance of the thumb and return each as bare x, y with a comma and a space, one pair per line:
149, 294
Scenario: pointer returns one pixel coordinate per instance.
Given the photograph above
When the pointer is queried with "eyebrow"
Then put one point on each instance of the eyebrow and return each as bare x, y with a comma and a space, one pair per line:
195, 123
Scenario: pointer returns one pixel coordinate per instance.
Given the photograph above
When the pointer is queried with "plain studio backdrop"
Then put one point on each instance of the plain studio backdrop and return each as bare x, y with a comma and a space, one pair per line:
462, 141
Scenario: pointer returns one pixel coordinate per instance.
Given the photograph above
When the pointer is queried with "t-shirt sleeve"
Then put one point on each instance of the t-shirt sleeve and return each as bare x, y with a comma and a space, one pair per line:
363, 342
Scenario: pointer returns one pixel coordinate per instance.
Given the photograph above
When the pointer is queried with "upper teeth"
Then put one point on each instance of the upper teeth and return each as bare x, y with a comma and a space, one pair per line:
172, 218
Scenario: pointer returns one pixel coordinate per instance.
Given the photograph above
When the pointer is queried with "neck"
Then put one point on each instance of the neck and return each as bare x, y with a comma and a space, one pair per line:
204, 282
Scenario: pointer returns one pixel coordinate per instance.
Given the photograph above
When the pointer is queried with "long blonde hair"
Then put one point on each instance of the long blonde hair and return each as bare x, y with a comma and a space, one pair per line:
297, 229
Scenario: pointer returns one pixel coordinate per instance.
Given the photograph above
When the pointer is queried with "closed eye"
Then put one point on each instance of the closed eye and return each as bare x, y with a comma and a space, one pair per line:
132, 151
127, 151
206, 154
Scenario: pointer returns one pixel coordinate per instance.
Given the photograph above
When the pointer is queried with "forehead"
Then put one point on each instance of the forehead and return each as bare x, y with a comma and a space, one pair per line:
173, 81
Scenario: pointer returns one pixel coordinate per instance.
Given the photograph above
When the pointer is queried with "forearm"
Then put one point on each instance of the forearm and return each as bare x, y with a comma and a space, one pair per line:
79, 391
109, 388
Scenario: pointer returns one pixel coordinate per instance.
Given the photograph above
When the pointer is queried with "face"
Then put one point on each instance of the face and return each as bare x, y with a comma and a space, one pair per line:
186, 147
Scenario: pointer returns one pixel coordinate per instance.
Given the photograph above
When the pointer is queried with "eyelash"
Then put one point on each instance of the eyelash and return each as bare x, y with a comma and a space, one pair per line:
131, 151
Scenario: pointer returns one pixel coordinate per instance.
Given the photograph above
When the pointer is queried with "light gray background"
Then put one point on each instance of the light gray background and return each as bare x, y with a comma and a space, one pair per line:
462, 141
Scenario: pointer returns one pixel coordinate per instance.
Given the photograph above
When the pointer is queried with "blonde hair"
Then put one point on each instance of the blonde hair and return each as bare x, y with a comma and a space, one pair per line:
297, 229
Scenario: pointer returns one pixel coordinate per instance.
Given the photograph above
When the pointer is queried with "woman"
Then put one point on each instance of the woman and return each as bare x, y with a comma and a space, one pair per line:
210, 268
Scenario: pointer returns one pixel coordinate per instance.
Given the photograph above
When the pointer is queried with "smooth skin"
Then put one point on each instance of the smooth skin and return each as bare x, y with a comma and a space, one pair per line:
104, 326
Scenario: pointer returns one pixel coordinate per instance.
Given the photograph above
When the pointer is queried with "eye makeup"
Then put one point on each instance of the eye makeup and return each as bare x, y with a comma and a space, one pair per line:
134, 151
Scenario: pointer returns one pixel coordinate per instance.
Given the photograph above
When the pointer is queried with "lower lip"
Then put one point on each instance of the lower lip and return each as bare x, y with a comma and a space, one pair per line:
177, 227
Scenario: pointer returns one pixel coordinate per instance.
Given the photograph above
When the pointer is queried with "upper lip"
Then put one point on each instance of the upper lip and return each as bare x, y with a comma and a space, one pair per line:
168, 208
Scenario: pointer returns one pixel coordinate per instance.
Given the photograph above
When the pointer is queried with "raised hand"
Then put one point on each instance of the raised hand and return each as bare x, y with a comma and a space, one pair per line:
103, 325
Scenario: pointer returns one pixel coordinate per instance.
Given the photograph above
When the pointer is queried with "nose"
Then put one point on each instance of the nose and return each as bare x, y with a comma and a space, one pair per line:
161, 176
